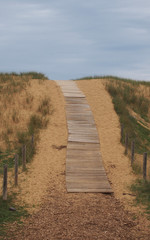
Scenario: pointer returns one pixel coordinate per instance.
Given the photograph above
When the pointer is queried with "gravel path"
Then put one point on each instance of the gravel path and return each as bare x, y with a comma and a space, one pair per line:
80, 216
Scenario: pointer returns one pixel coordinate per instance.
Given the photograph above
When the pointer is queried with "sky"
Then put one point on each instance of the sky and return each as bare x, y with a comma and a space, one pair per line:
68, 39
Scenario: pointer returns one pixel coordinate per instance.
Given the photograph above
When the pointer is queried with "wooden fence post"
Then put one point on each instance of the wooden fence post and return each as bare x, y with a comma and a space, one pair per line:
132, 152
32, 142
122, 128
144, 165
24, 157
5, 183
126, 144
16, 169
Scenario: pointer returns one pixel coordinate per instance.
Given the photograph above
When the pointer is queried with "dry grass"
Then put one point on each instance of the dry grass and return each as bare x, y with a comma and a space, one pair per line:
20, 98
132, 104
19, 117
17, 104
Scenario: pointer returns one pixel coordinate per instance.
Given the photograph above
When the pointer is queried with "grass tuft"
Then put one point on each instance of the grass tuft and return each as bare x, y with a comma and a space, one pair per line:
35, 123
15, 117
142, 190
34, 75
136, 168
45, 107
7, 216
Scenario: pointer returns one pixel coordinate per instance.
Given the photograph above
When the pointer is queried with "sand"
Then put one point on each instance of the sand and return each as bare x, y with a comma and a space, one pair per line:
47, 162
117, 165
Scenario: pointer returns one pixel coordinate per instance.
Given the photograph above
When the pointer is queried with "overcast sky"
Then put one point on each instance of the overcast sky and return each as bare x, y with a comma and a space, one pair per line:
67, 39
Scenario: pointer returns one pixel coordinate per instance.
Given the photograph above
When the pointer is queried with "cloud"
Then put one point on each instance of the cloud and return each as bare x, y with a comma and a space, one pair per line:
38, 12
67, 38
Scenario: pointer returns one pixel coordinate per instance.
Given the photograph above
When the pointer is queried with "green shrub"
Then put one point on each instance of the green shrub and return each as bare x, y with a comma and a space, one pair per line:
35, 123
142, 190
8, 216
34, 75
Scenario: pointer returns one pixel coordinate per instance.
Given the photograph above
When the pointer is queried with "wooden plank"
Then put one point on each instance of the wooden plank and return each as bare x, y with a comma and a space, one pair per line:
84, 167
83, 145
84, 164
84, 135
77, 154
87, 190
85, 132
88, 185
83, 152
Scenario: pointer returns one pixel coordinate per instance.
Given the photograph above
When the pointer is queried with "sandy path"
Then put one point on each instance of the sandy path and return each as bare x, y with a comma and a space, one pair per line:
73, 216
116, 163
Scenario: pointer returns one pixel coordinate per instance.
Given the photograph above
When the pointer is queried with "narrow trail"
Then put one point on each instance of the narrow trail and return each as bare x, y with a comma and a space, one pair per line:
73, 216
84, 166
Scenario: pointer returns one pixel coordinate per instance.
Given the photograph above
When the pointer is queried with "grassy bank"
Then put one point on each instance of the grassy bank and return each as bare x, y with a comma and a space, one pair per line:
131, 101
19, 118
23, 114
133, 108
109, 77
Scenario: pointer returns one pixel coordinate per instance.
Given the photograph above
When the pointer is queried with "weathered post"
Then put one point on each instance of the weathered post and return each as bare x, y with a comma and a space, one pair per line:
32, 140
126, 144
144, 165
122, 128
32, 144
16, 169
24, 157
132, 152
5, 183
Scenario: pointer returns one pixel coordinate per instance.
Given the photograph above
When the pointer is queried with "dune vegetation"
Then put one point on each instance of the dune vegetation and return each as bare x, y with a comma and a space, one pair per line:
26, 108
20, 118
131, 100
22, 114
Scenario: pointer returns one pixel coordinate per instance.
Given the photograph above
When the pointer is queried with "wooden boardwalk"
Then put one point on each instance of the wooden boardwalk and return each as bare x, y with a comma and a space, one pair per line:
84, 167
